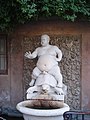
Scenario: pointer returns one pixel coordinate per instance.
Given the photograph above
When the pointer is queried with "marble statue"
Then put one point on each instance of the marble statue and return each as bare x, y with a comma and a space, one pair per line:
46, 76
45, 96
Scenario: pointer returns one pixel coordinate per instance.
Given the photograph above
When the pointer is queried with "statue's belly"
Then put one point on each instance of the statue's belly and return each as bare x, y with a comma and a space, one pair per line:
46, 62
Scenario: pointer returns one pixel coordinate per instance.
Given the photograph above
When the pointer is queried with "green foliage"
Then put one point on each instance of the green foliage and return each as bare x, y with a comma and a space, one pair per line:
13, 12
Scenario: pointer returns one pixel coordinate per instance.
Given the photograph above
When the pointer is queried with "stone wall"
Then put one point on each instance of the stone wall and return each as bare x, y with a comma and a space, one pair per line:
70, 65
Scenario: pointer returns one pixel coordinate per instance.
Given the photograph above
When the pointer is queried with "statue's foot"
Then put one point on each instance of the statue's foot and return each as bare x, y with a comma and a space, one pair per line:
33, 89
59, 91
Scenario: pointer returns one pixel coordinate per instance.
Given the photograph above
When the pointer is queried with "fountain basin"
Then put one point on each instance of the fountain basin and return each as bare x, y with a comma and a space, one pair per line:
41, 114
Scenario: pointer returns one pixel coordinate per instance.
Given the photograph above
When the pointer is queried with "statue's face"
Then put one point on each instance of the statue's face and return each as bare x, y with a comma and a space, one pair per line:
44, 40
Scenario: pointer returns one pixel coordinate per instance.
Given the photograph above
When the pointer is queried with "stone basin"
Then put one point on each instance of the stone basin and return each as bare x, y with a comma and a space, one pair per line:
41, 113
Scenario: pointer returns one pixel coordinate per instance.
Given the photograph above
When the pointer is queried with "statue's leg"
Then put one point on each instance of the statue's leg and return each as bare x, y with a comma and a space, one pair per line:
32, 92
33, 89
58, 91
36, 72
55, 71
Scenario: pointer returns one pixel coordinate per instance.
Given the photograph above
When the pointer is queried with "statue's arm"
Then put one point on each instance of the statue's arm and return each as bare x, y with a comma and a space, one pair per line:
59, 54
31, 56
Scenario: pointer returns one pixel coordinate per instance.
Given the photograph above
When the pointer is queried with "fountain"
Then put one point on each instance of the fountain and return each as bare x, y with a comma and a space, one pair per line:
45, 96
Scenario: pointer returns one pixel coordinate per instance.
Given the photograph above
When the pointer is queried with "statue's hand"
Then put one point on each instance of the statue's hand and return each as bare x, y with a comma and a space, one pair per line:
57, 59
28, 54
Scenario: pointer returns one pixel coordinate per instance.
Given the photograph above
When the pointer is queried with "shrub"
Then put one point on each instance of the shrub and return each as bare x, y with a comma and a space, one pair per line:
13, 12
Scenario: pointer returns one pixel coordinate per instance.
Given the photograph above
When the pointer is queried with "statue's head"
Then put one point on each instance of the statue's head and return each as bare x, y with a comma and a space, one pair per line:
45, 40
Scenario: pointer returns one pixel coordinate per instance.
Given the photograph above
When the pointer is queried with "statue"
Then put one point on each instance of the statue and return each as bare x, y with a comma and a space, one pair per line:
46, 76
46, 92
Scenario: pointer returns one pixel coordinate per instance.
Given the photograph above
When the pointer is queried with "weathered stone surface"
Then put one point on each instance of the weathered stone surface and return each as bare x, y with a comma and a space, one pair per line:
45, 104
